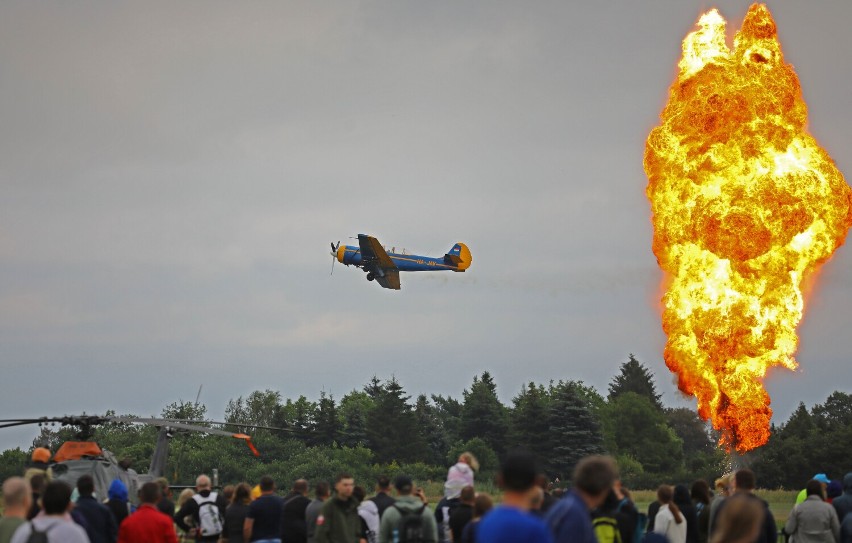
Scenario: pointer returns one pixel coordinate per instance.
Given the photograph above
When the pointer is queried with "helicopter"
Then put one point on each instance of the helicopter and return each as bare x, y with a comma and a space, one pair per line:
83, 456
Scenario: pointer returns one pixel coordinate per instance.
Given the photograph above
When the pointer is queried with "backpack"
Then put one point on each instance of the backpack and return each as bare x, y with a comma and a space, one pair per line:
641, 522
411, 528
606, 530
37, 536
209, 517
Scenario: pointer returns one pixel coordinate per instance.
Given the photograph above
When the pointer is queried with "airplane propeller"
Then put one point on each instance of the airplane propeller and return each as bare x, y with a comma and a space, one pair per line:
334, 249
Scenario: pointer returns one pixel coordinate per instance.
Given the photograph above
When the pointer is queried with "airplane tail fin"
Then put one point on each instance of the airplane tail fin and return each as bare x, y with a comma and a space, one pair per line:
459, 256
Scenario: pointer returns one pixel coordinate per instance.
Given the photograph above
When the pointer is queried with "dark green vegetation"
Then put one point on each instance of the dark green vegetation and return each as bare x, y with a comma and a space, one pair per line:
381, 429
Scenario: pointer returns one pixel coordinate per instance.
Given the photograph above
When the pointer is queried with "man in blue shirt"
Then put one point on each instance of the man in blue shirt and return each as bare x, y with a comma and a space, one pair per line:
570, 518
263, 521
511, 521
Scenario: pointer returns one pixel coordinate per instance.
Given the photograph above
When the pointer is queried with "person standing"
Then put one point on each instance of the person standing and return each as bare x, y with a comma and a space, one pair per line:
56, 502
570, 518
724, 488
700, 494
207, 510
148, 524
744, 483
463, 513
118, 503
690, 515
813, 520
235, 514
165, 505
338, 521
459, 476
100, 524
843, 503
263, 520
16, 505
669, 521
511, 521
293, 526
383, 499
410, 503
39, 465
321, 491
481, 505
369, 513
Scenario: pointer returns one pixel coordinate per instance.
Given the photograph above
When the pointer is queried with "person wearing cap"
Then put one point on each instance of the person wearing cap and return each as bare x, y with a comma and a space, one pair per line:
409, 500
822, 478
39, 464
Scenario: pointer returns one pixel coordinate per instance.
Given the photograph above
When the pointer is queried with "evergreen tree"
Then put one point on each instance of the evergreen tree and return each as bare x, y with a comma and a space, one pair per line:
328, 425
430, 431
392, 431
690, 429
302, 418
633, 426
354, 409
448, 415
635, 377
573, 431
483, 415
528, 421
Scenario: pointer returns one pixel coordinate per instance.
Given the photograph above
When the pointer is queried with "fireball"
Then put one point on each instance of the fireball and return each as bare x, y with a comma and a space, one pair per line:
745, 206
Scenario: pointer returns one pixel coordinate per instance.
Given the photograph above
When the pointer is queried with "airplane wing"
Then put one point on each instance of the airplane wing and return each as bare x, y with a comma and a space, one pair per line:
372, 250
390, 280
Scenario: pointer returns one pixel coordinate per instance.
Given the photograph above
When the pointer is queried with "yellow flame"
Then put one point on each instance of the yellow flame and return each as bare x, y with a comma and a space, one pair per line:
745, 205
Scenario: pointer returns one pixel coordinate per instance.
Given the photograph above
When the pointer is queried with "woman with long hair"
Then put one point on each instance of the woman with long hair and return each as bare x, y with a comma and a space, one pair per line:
185, 495
235, 514
669, 520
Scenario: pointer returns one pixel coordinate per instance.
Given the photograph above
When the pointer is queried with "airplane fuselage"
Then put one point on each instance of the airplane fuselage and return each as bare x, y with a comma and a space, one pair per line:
404, 262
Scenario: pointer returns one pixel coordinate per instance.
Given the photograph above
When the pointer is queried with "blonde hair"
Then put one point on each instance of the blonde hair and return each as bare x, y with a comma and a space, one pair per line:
185, 496
722, 483
468, 458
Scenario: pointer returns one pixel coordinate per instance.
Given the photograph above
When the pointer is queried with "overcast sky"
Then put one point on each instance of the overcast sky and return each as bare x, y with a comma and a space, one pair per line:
171, 175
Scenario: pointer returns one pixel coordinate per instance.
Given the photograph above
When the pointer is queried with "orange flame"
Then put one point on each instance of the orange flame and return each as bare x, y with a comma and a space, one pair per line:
745, 206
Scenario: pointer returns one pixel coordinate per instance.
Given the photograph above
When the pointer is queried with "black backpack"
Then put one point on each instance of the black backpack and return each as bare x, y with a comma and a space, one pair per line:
411, 528
37, 536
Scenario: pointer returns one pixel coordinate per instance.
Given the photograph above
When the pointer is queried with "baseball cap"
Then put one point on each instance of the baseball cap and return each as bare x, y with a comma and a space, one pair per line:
822, 478
403, 482
41, 454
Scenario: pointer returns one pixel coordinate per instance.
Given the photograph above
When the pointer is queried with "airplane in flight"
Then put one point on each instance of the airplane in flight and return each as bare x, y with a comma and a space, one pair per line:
384, 267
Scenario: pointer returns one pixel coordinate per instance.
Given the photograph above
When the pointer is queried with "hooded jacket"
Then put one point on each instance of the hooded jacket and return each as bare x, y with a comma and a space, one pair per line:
392, 518
843, 504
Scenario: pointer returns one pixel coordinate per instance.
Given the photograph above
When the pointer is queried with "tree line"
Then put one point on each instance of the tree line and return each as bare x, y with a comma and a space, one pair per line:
380, 429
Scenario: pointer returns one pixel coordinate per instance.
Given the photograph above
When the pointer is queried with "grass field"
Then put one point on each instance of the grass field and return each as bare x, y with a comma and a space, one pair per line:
780, 502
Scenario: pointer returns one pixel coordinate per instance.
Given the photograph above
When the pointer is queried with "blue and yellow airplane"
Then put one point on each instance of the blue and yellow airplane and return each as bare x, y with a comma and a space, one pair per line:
384, 267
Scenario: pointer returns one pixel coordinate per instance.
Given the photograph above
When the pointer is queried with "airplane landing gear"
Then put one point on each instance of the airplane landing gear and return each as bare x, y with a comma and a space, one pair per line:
370, 276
